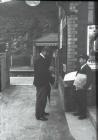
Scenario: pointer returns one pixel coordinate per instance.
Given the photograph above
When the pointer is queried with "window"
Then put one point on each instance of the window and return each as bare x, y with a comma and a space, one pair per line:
92, 44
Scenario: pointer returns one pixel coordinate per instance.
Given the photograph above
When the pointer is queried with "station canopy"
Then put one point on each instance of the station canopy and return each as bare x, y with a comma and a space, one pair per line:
50, 39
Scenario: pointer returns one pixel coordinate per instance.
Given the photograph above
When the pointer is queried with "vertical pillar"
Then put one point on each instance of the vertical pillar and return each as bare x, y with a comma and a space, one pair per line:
34, 53
56, 68
11, 60
8, 64
31, 58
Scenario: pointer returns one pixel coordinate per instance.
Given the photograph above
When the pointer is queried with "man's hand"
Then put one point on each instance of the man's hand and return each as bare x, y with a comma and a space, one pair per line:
90, 87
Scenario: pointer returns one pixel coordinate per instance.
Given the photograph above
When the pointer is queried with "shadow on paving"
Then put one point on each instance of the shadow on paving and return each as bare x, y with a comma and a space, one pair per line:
56, 128
18, 122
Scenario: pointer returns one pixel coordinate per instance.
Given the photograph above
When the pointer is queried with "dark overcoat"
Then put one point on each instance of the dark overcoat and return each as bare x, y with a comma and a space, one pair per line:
41, 72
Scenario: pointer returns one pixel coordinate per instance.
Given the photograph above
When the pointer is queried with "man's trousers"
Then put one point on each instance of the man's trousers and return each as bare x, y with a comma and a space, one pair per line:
41, 100
81, 99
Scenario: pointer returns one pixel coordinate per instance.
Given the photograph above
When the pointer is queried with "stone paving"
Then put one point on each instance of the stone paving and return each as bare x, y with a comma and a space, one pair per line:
17, 116
81, 129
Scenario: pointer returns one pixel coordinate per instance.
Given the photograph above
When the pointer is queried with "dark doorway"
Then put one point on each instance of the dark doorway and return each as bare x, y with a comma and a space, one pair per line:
96, 13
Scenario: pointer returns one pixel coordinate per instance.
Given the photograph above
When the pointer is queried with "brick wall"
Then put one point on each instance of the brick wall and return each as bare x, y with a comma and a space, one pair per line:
78, 18
77, 32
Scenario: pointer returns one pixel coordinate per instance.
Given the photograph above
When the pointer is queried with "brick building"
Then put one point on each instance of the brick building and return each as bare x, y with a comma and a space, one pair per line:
78, 23
75, 19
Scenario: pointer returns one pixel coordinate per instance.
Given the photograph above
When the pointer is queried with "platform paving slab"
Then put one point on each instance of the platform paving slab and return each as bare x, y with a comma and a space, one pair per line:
81, 129
17, 116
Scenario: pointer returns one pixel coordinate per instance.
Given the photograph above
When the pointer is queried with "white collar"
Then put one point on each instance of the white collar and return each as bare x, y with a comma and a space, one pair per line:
42, 55
83, 65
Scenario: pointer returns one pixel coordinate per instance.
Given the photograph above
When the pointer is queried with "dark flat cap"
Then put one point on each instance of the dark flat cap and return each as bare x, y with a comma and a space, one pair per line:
84, 56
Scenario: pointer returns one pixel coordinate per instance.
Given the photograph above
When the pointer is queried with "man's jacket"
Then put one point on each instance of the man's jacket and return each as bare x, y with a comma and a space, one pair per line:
87, 71
42, 74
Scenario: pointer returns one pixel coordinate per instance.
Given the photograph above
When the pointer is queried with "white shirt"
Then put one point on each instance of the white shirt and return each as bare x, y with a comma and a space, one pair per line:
42, 55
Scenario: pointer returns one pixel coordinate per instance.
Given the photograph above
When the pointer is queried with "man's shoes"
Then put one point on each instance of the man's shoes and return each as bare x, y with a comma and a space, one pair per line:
46, 114
42, 119
82, 117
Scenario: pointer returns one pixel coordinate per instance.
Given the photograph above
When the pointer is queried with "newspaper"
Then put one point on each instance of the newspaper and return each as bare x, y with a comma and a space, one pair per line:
80, 81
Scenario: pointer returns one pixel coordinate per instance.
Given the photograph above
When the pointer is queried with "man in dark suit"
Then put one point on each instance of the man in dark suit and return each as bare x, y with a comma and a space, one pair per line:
42, 80
81, 93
